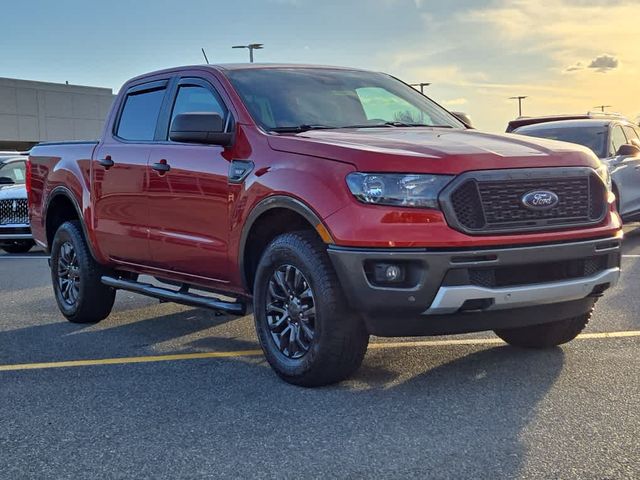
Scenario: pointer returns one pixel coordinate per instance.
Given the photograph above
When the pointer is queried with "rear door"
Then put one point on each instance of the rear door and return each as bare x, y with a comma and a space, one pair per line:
188, 204
120, 176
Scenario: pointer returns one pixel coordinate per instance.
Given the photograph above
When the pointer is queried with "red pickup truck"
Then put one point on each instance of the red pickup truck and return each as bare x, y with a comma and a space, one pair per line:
342, 203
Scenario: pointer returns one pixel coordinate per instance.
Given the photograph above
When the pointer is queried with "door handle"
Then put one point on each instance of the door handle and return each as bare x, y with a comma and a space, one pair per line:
106, 162
162, 166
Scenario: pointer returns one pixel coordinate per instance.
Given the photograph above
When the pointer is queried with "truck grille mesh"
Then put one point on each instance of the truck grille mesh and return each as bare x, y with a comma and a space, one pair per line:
14, 212
538, 273
496, 205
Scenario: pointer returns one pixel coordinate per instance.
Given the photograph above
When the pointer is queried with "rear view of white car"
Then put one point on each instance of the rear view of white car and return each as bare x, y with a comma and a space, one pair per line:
15, 231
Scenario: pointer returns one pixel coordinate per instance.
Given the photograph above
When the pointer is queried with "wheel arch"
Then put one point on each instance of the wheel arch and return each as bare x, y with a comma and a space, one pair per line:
61, 207
259, 229
616, 192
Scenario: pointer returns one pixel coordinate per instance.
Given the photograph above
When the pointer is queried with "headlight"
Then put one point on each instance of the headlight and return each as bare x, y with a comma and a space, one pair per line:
403, 190
604, 173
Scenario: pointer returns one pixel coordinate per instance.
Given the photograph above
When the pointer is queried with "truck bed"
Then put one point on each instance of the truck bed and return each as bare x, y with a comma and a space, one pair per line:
58, 165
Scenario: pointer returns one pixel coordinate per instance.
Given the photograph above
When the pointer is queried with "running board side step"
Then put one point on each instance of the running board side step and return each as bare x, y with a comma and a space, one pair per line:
182, 296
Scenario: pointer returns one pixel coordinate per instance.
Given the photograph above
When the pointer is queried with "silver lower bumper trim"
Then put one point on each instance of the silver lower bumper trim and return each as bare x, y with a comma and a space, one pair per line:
16, 236
451, 299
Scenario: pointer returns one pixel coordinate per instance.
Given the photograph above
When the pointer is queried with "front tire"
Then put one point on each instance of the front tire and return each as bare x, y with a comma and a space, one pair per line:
18, 246
547, 335
79, 291
308, 334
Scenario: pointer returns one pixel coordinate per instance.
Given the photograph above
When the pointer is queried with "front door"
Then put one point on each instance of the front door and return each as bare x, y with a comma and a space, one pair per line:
188, 199
625, 174
120, 177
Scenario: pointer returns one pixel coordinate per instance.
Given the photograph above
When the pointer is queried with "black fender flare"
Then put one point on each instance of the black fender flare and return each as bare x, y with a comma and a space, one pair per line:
62, 191
269, 203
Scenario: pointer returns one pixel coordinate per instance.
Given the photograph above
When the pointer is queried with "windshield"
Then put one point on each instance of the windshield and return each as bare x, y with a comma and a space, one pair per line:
590, 137
280, 98
13, 172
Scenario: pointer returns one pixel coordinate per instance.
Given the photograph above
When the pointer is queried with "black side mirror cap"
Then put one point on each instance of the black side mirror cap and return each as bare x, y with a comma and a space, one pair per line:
200, 127
628, 150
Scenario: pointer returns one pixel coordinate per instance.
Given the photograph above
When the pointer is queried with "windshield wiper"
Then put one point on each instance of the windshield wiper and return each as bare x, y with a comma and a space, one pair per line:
405, 124
306, 128
299, 128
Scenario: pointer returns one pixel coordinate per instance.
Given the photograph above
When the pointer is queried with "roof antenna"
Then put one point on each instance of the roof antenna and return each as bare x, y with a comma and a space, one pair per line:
205, 56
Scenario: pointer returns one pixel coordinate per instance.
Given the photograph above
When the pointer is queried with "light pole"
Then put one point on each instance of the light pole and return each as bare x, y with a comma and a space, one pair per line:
251, 47
602, 107
421, 85
519, 98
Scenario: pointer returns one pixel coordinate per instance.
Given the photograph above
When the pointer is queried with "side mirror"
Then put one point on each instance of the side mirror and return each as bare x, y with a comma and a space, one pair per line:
464, 118
628, 150
6, 181
200, 127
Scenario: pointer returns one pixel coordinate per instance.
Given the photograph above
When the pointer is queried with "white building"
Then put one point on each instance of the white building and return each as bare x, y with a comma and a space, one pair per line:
32, 112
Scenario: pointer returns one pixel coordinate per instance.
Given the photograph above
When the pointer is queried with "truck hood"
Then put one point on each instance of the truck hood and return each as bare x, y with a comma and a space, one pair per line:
432, 150
10, 192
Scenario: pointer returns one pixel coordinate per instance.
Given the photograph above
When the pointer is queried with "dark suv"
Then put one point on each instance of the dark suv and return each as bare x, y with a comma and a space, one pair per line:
15, 232
612, 138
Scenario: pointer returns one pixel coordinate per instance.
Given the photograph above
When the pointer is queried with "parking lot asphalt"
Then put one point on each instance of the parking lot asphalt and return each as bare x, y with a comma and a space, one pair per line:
166, 391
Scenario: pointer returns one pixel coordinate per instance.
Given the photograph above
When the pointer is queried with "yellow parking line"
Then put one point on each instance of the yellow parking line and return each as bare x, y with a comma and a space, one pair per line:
127, 360
252, 353
493, 341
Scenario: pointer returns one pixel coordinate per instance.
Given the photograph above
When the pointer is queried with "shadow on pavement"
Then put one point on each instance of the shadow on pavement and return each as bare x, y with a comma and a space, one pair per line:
116, 337
426, 413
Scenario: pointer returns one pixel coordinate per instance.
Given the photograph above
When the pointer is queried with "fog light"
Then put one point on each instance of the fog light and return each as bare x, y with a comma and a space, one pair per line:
389, 273
392, 273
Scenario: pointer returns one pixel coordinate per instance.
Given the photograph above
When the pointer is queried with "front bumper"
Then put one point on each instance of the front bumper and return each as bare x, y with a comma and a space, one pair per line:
454, 291
10, 233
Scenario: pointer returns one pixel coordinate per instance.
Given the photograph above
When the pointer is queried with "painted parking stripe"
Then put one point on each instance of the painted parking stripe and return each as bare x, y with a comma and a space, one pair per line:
256, 352
128, 360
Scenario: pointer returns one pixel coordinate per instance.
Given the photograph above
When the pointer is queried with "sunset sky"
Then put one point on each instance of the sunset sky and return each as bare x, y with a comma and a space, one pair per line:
565, 55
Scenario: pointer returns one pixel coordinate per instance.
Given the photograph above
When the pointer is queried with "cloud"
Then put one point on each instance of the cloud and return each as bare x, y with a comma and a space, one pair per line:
454, 102
575, 68
604, 63
528, 26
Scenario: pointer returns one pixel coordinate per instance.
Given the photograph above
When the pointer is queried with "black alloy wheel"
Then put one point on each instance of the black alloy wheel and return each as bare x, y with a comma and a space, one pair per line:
291, 311
68, 274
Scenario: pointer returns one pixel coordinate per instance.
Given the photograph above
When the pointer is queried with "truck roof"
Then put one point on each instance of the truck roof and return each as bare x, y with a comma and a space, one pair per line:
245, 66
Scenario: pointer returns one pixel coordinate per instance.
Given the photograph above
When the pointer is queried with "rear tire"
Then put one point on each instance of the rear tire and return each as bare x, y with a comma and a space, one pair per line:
18, 246
308, 334
81, 296
547, 335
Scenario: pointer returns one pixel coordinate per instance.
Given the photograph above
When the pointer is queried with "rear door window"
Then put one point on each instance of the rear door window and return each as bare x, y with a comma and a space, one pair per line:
139, 115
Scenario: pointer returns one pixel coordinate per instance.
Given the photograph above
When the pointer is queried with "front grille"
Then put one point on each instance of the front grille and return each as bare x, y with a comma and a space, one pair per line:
14, 212
520, 275
538, 273
488, 202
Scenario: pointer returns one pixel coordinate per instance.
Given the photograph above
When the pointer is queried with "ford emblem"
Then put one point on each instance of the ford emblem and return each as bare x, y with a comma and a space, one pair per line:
540, 200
